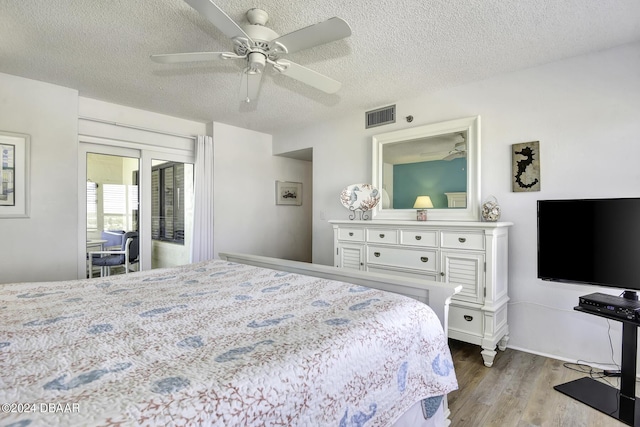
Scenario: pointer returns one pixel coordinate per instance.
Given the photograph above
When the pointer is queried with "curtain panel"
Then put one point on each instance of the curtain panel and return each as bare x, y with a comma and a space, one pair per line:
202, 242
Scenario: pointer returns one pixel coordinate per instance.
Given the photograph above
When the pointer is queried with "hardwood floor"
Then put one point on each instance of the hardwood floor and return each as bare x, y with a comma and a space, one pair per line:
516, 391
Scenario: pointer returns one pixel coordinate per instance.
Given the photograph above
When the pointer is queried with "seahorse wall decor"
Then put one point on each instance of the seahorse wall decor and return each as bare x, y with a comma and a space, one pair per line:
526, 166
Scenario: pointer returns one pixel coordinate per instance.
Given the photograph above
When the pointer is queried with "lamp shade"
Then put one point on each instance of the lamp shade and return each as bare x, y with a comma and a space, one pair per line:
423, 202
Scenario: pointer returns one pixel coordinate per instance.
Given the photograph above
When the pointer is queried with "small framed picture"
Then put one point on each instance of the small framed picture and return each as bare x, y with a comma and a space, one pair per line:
14, 175
288, 193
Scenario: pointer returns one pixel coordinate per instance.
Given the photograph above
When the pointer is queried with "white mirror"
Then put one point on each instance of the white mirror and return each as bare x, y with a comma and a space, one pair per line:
440, 160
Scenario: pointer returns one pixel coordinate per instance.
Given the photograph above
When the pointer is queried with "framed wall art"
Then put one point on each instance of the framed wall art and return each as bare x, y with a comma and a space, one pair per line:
526, 166
14, 175
288, 193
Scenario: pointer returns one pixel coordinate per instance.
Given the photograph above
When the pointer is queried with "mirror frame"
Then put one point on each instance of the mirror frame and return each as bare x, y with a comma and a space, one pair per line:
472, 126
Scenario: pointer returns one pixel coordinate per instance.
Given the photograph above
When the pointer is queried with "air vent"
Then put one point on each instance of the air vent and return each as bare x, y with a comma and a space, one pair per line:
381, 116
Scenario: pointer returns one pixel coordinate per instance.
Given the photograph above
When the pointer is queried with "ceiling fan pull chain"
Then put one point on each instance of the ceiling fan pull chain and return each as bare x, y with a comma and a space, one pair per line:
246, 72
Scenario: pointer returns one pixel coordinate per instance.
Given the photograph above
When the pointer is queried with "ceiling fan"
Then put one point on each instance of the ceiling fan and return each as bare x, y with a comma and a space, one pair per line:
459, 149
259, 46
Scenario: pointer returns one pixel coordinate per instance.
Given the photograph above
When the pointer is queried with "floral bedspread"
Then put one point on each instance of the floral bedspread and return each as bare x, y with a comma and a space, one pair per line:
215, 343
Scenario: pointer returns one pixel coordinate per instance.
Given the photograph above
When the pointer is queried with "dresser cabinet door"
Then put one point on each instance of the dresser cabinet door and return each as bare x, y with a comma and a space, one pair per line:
350, 256
466, 269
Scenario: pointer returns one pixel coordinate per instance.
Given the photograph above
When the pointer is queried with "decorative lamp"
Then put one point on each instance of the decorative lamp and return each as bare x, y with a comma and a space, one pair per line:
422, 204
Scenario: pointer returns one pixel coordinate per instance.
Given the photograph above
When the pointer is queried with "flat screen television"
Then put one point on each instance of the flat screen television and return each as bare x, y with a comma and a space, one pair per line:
591, 241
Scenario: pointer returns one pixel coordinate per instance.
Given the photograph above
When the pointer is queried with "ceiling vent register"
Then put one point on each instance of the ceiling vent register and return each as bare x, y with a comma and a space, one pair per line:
381, 116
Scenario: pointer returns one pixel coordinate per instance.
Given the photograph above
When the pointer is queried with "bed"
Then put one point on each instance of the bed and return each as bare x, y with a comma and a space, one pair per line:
223, 343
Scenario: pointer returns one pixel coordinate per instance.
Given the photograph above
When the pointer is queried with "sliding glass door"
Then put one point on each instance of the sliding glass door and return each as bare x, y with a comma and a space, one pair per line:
171, 212
136, 190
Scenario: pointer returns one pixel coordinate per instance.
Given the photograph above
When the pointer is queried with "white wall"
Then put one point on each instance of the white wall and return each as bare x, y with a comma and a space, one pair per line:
43, 246
584, 111
246, 218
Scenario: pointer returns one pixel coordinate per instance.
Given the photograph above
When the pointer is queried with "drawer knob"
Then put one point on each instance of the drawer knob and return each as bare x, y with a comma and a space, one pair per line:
381, 236
351, 233
468, 318
442, 273
418, 237
376, 254
424, 258
461, 239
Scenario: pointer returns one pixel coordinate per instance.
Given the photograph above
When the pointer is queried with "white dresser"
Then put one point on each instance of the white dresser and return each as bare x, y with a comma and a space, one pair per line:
471, 254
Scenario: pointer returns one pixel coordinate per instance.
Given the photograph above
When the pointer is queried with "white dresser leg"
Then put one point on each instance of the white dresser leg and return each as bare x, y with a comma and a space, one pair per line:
488, 355
502, 344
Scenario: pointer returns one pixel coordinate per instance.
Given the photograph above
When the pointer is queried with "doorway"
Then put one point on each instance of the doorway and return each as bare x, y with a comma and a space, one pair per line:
143, 191
112, 208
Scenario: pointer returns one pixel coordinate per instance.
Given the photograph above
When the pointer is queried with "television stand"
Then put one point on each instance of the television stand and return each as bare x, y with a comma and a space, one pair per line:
619, 404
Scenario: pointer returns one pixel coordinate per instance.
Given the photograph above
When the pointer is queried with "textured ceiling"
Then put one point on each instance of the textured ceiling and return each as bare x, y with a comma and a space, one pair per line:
398, 48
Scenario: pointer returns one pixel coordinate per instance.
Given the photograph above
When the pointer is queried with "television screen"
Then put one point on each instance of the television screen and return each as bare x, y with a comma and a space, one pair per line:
593, 241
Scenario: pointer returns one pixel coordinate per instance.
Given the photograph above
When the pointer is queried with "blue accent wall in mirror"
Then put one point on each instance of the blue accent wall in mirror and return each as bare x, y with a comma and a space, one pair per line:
433, 179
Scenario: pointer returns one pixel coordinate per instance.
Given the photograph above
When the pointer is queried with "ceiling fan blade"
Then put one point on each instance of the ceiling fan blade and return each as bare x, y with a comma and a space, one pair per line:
314, 35
172, 58
250, 85
455, 155
307, 76
218, 18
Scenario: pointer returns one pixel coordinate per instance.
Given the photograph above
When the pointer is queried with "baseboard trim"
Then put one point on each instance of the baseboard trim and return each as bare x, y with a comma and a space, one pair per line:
603, 366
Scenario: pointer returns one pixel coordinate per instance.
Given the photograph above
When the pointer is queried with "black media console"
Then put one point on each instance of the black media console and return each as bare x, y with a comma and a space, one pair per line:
620, 404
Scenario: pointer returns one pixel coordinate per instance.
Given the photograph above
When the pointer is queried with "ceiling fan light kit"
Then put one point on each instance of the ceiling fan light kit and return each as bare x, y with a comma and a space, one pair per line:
259, 45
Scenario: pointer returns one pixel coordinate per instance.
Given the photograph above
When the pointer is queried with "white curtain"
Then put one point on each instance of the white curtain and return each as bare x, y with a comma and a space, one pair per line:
202, 242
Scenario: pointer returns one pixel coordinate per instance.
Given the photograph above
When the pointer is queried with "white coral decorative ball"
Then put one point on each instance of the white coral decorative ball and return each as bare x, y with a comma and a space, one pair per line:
491, 210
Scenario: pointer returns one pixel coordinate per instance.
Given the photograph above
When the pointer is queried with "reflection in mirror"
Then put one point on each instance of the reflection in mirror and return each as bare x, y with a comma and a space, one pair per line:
439, 160
435, 166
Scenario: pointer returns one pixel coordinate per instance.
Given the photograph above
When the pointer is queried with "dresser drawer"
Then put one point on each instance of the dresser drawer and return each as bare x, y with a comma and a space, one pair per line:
426, 275
403, 257
419, 238
382, 236
351, 234
466, 320
462, 240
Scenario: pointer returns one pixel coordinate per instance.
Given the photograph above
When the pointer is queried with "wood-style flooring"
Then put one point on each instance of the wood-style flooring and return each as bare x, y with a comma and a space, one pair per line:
516, 391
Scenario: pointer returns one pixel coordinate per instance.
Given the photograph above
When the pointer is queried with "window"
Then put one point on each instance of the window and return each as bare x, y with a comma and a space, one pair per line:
92, 206
112, 197
119, 203
119, 212
167, 202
